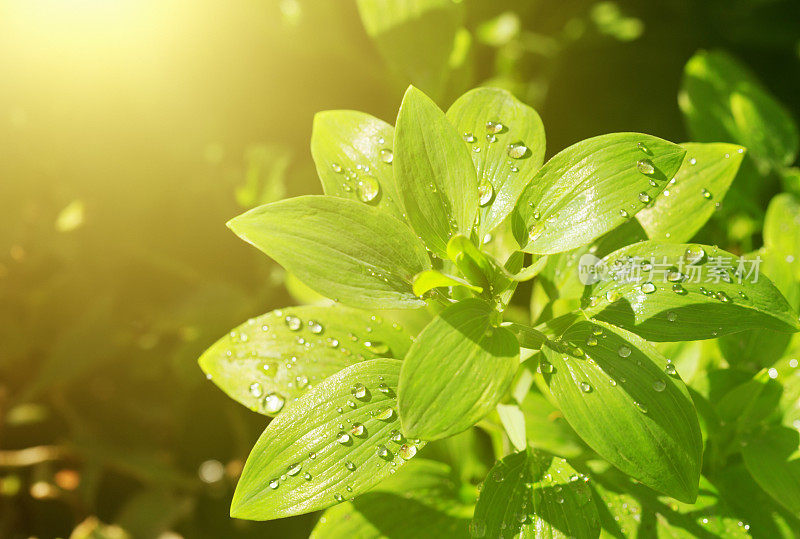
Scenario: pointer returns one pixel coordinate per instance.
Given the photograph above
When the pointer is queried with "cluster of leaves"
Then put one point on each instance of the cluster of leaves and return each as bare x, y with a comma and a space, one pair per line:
420, 242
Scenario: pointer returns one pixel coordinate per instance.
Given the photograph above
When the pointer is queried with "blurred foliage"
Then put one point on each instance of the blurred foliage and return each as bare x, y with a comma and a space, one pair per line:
132, 131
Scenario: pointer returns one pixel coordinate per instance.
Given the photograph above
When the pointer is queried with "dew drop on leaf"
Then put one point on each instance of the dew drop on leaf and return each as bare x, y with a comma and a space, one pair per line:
469, 137
659, 385
357, 429
385, 414
273, 403
591, 341
359, 391
671, 316
386, 156
343, 438
645, 166
350, 466
294, 469
694, 254
586, 388
516, 151
256, 391
485, 192
624, 351
644, 197
368, 189
273, 484
315, 327
670, 369
293, 323
706, 193
494, 127
648, 288
407, 451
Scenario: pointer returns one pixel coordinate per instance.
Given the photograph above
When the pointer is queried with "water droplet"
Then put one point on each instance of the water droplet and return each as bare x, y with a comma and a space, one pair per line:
516, 151
350, 466
382, 452
624, 351
586, 388
336, 168
359, 391
644, 197
469, 137
293, 323
273, 484
307, 476
376, 347
315, 327
407, 451
624, 214
648, 288
706, 193
591, 341
679, 289
644, 148
692, 161
723, 297
485, 192
476, 149
674, 276
385, 414
642, 408
396, 436
386, 155
612, 296
645, 166
294, 469
343, 438
494, 127
338, 497
671, 316
477, 528
546, 367
670, 369
612, 381
256, 391
368, 188
491, 137
694, 254
383, 388
659, 385
273, 403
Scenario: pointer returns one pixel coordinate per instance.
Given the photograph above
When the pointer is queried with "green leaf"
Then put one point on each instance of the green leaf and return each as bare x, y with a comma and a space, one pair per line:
513, 421
668, 298
416, 37
547, 429
433, 172
353, 154
773, 459
592, 187
782, 231
275, 358
336, 442
503, 171
534, 494
694, 193
458, 354
722, 101
343, 249
430, 279
625, 401
477, 266
421, 500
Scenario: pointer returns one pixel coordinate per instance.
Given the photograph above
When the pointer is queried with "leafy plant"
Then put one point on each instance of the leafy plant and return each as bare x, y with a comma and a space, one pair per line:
425, 232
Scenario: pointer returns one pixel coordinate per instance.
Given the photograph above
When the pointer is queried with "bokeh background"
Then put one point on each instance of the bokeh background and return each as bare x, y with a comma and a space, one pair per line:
132, 130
